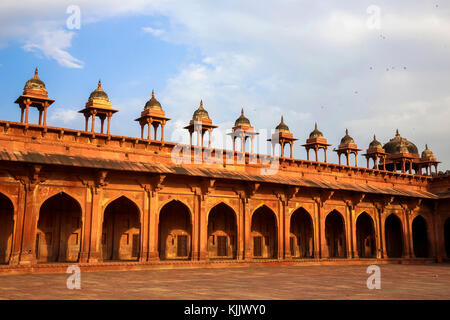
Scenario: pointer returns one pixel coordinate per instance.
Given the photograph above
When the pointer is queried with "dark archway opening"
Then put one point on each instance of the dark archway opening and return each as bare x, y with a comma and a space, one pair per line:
264, 233
6, 228
121, 231
365, 236
175, 238
222, 232
394, 237
447, 237
335, 235
301, 240
420, 237
58, 237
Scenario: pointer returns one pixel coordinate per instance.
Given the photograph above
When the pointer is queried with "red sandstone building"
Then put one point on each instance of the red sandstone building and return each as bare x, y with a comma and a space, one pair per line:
95, 198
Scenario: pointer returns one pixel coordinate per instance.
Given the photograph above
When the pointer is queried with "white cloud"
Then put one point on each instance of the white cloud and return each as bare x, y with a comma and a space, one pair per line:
64, 115
155, 32
54, 45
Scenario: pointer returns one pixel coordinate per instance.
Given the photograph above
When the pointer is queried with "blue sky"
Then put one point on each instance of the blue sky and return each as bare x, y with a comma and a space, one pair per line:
311, 62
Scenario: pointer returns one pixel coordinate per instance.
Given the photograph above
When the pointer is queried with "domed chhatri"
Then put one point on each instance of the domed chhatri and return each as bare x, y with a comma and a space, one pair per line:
34, 95
375, 144
427, 154
316, 141
376, 153
98, 105
346, 140
242, 120
282, 127
153, 104
98, 94
282, 136
35, 84
200, 113
393, 146
427, 161
347, 147
315, 133
243, 130
200, 123
154, 116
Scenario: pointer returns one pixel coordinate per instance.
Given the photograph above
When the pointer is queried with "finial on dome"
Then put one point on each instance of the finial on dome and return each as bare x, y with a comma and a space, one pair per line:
242, 111
346, 132
396, 133
201, 103
315, 126
99, 84
36, 72
153, 93
426, 146
374, 137
282, 119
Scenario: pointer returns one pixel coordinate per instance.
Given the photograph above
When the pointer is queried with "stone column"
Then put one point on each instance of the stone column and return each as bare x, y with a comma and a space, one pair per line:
203, 229
19, 213
247, 230
154, 231
96, 227
145, 226
317, 231
349, 231
30, 218
287, 231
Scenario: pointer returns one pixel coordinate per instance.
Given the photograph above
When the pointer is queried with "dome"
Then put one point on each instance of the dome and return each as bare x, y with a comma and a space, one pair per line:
393, 146
282, 127
200, 113
347, 139
375, 143
35, 83
316, 133
98, 94
242, 120
427, 153
153, 104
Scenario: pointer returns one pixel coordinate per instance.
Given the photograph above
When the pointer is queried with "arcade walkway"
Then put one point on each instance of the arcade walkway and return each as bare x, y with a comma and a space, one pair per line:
255, 282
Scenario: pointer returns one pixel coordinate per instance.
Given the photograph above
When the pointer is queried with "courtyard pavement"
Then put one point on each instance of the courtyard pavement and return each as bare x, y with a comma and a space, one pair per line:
430, 281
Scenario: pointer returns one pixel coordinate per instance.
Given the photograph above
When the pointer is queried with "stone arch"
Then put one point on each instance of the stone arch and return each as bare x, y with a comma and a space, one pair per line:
59, 229
335, 235
162, 204
57, 192
222, 232
420, 237
121, 230
264, 235
394, 236
6, 228
447, 236
125, 196
365, 236
301, 238
175, 231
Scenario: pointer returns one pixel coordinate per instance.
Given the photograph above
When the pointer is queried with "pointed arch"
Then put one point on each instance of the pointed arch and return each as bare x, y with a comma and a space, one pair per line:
121, 230
175, 231
394, 236
6, 228
301, 239
420, 237
222, 232
335, 235
264, 232
365, 236
59, 229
